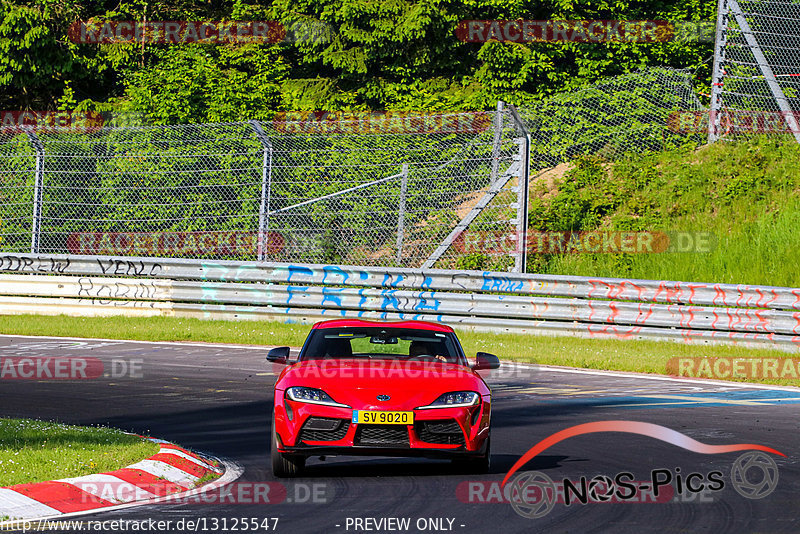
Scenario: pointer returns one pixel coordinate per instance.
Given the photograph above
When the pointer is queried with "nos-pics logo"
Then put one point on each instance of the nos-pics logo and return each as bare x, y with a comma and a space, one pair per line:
533, 494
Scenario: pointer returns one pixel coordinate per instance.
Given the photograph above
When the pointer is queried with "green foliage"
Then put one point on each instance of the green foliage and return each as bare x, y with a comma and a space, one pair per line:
36, 61
207, 83
744, 194
37, 451
577, 207
484, 262
208, 178
330, 246
338, 54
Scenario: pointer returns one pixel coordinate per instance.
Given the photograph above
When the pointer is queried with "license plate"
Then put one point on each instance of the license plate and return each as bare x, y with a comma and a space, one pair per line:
377, 417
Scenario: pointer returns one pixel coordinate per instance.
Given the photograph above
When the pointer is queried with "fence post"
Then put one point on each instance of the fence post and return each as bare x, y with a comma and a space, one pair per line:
38, 183
266, 190
401, 216
521, 263
717, 79
498, 131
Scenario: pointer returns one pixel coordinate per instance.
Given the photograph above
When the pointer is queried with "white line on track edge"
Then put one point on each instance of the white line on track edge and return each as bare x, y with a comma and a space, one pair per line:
600, 372
647, 376
178, 343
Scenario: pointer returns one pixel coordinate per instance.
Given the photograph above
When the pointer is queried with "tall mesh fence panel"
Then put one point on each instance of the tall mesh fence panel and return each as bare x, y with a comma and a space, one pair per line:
634, 113
757, 77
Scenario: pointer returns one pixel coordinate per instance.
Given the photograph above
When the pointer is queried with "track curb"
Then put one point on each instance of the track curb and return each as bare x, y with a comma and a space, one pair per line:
171, 474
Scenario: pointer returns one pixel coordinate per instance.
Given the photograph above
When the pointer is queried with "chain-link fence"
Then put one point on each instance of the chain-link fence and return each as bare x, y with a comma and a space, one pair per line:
756, 69
634, 113
445, 191
374, 189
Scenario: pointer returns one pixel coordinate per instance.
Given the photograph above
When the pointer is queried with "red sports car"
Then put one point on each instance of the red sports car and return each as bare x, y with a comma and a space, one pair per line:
380, 388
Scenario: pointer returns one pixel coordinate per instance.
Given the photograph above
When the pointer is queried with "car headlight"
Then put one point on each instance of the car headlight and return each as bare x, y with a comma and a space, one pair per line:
455, 399
312, 396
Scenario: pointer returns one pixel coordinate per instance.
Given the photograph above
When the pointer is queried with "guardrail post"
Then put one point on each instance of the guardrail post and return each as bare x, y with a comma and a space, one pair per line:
521, 263
38, 183
401, 216
266, 190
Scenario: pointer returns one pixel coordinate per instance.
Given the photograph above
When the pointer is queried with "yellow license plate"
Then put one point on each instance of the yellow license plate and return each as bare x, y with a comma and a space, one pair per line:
376, 417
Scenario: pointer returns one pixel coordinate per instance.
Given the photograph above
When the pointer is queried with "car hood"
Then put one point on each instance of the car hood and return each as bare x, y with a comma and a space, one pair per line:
359, 382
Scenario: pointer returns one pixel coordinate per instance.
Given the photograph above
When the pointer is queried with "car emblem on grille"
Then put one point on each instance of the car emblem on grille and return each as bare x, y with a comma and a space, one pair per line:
383, 398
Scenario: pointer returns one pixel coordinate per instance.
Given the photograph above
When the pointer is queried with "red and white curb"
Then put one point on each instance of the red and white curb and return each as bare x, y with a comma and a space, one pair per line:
170, 474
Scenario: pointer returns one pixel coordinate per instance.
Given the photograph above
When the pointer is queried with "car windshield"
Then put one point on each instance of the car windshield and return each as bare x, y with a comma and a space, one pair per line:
382, 343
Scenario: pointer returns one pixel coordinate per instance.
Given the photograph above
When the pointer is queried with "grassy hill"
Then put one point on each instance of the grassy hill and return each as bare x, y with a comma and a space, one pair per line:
744, 195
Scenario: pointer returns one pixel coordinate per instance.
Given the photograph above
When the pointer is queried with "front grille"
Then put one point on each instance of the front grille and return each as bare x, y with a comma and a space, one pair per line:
382, 436
442, 432
324, 429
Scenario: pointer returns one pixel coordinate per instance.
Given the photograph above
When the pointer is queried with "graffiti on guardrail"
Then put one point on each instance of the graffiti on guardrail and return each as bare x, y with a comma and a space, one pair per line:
105, 290
650, 291
129, 268
594, 307
503, 284
36, 264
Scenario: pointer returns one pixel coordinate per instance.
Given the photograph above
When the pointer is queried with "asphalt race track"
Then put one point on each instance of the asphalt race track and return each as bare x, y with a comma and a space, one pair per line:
218, 399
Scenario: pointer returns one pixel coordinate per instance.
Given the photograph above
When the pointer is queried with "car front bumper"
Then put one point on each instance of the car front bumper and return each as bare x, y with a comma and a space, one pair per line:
315, 430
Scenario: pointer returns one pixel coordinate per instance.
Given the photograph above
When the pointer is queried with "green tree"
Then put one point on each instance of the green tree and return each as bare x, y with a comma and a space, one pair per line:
36, 60
207, 83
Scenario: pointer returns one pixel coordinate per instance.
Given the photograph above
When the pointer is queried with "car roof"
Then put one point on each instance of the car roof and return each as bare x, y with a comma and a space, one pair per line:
419, 325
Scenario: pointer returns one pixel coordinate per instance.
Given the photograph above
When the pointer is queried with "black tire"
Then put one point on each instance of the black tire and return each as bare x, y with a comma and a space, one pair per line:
476, 465
284, 465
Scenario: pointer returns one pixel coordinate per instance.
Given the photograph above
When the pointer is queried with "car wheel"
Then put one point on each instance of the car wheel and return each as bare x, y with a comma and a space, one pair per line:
476, 465
284, 465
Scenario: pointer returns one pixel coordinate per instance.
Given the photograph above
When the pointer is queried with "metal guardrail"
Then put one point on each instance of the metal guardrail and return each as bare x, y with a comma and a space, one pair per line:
533, 303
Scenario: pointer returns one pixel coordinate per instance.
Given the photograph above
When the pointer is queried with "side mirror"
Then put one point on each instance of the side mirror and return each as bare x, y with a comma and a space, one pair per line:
484, 360
278, 355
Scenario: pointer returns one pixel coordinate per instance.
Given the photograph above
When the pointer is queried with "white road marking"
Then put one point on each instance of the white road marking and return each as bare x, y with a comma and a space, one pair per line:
18, 506
700, 400
553, 368
167, 472
118, 341
647, 376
